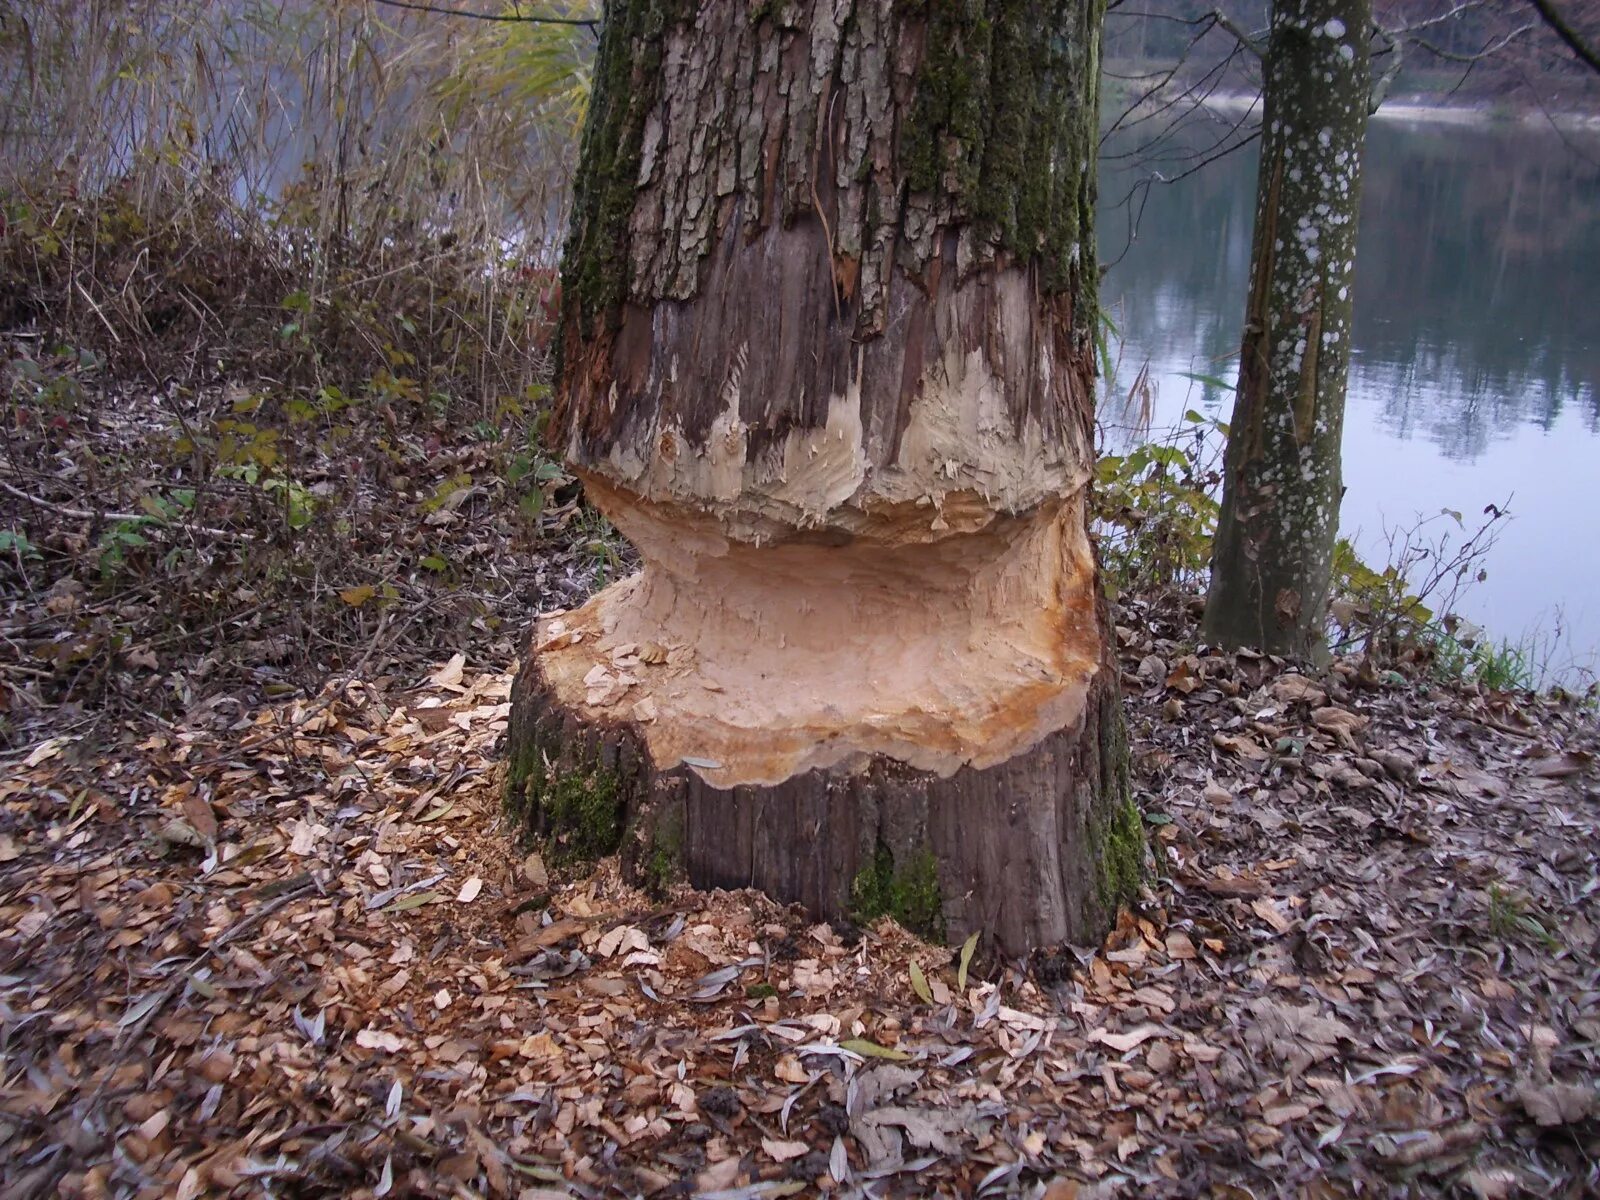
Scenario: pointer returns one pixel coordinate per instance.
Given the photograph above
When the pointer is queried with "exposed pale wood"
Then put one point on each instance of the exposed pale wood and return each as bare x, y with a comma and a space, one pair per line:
1018, 846
826, 359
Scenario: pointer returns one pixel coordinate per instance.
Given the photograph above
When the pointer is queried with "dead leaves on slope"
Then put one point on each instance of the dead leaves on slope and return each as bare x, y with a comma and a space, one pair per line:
349, 981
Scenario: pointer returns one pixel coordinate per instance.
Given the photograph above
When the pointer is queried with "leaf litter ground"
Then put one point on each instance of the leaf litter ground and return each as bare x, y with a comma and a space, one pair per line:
298, 953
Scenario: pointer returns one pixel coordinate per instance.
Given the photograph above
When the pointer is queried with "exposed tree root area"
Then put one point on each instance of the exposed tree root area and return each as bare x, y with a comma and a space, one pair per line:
299, 954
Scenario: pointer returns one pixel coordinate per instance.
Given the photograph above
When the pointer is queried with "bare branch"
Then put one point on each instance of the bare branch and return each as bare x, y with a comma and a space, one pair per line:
526, 19
1162, 78
1586, 52
1443, 18
84, 514
1379, 90
1224, 22
1581, 151
1476, 56
1196, 94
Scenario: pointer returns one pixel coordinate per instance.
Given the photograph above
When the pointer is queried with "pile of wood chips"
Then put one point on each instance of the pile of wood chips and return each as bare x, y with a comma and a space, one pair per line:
302, 955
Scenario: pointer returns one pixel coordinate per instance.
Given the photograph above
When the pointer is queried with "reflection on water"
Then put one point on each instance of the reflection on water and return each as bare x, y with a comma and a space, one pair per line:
1477, 341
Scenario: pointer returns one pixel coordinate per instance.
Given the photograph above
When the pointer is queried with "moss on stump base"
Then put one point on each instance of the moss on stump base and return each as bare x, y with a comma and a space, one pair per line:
1037, 850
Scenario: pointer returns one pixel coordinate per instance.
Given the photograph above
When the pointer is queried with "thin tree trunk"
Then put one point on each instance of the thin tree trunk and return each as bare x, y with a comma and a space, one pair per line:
826, 360
1273, 556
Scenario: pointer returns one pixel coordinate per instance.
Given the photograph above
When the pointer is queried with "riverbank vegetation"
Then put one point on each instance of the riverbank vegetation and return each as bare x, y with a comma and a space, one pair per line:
274, 386
276, 282
1398, 611
273, 368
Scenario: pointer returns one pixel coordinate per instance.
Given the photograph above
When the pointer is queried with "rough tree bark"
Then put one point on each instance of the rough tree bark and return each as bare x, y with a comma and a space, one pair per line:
825, 358
1273, 556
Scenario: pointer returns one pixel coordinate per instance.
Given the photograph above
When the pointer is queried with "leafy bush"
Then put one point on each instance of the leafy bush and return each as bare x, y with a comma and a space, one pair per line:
1156, 510
1405, 612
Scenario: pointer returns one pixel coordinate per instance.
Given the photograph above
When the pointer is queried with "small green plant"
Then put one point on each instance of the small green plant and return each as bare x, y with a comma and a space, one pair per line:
1155, 510
116, 542
1503, 668
1511, 917
1403, 612
127, 533
299, 505
540, 475
1459, 656
55, 385
14, 542
599, 542
1381, 598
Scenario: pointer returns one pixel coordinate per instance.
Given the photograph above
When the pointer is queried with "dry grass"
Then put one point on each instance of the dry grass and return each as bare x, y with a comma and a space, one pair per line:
274, 280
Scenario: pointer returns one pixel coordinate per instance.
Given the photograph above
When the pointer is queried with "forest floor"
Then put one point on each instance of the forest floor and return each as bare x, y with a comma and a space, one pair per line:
294, 951
263, 930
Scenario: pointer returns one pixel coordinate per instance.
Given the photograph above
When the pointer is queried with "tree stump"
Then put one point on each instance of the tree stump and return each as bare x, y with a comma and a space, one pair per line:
826, 359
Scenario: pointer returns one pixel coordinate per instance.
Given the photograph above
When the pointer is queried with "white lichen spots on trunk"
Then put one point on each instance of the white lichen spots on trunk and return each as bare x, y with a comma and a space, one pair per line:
1283, 478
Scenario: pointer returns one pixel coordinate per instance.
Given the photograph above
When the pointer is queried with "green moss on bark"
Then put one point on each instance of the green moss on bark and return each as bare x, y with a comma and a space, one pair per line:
583, 814
574, 812
1116, 831
627, 81
1001, 130
662, 864
908, 891
1004, 124
1119, 860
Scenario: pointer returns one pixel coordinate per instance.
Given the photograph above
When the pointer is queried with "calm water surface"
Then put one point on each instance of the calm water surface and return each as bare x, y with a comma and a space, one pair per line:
1476, 376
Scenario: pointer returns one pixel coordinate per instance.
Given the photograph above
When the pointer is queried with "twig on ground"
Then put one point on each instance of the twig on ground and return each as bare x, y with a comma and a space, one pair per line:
84, 514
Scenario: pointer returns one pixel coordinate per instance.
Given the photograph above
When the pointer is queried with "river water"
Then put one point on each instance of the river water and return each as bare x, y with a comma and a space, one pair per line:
1476, 370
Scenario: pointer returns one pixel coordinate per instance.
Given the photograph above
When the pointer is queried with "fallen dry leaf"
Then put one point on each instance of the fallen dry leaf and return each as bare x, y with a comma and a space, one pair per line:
1123, 1042
1340, 722
1244, 747
783, 1151
1553, 1104
451, 673
1297, 689
1296, 943
378, 1039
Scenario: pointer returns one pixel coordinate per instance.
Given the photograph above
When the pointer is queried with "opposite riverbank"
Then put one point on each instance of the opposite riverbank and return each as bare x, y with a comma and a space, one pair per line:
1421, 110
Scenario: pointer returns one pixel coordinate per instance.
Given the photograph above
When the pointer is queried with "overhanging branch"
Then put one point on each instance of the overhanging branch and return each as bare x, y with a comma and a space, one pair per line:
1586, 52
523, 18
1384, 79
1244, 39
1492, 48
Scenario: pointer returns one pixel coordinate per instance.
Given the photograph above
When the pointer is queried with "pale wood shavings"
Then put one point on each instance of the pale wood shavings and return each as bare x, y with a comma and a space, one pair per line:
1369, 959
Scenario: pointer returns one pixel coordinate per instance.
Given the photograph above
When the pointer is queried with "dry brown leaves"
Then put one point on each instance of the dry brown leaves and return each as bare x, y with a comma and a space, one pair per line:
301, 956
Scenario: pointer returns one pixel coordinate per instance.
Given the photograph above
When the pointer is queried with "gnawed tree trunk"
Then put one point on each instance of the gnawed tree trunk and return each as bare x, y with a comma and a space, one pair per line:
1273, 556
826, 360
